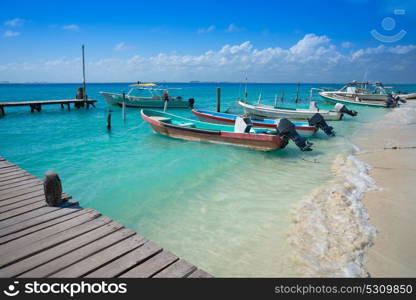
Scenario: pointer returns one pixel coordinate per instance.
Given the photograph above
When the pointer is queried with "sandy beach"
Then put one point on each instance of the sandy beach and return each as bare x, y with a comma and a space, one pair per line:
392, 208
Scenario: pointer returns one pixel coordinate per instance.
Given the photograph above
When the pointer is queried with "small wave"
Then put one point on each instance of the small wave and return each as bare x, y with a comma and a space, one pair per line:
403, 115
331, 229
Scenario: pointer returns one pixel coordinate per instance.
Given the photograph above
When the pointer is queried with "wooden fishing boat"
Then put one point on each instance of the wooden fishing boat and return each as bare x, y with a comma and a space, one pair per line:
267, 111
303, 128
187, 129
147, 95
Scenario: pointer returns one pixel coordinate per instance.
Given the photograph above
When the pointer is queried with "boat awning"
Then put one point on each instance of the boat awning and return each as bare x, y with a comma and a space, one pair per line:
144, 84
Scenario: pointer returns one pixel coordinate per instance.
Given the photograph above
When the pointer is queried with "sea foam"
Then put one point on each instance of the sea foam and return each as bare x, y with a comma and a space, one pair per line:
331, 229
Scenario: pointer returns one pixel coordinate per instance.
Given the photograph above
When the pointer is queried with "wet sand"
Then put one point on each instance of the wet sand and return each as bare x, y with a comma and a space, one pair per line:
392, 209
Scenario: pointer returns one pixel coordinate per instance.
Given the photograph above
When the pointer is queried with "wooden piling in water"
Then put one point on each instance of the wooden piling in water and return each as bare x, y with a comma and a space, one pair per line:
109, 120
218, 99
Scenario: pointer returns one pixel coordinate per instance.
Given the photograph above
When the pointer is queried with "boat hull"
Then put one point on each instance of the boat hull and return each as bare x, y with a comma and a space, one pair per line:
264, 111
263, 142
332, 98
206, 117
142, 102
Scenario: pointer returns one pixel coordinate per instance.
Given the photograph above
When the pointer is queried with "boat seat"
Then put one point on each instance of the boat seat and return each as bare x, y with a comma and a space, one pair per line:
160, 119
187, 125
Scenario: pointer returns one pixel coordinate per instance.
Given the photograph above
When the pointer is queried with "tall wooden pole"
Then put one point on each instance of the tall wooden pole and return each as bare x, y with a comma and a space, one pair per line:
218, 99
83, 76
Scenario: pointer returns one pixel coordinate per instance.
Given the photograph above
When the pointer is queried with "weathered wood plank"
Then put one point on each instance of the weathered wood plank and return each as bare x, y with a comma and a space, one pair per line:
10, 172
99, 259
152, 266
19, 175
34, 213
17, 193
14, 232
39, 265
127, 261
21, 210
27, 185
11, 206
11, 168
18, 179
199, 274
34, 247
49, 231
81, 253
179, 269
19, 183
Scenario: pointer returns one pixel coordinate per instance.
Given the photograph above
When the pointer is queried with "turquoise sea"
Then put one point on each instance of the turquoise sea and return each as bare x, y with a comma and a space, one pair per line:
225, 209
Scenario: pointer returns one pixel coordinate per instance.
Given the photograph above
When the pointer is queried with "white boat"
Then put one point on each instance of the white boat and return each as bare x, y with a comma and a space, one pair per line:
147, 95
364, 93
267, 111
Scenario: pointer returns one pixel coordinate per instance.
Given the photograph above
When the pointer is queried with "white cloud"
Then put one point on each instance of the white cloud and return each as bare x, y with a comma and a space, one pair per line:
14, 22
10, 33
206, 30
347, 45
120, 47
311, 59
71, 27
234, 28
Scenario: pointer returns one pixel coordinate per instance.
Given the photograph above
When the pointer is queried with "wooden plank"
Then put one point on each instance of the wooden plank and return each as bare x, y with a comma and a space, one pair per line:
152, 266
26, 196
14, 205
127, 261
101, 258
13, 175
17, 193
45, 102
199, 274
34, 213
14, 178
9, 169
21, 210
74, 256
179, 269
29, 184
19, 183
39, 265
49, 231
14, 254
20, 200
13, 232
5, 164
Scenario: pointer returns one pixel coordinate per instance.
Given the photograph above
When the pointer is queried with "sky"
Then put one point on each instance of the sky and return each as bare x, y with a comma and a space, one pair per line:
266, 41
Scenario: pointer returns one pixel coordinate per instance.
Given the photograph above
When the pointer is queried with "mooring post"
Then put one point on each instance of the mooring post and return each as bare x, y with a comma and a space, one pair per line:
53, 188
218, 99
124, 106
109, 120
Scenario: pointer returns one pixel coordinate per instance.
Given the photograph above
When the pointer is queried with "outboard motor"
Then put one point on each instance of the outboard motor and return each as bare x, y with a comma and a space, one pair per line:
191, 102
318, 121
343, 109
398, 99
391, 102
286, 130
242, 125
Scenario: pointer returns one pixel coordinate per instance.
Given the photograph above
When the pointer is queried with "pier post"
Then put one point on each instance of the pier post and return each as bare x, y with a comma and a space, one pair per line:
218, 99
32, 108
53, 188
124, 106
69, 106
62, 106
2, 113
109, 120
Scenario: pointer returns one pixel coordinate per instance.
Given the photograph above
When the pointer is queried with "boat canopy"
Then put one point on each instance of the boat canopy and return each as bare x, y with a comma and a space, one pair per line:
149, 84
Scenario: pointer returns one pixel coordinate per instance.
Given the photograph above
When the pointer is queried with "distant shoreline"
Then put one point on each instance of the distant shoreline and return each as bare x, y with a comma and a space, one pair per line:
190, 82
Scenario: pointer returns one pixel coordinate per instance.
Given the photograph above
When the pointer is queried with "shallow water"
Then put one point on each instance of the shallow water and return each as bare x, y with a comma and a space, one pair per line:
225, 209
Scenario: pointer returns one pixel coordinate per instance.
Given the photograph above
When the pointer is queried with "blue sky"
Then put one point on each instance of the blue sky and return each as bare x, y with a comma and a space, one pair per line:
271, 41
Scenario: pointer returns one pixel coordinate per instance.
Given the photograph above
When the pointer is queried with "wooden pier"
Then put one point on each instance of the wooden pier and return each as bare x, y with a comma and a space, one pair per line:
37, 240
37, 105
